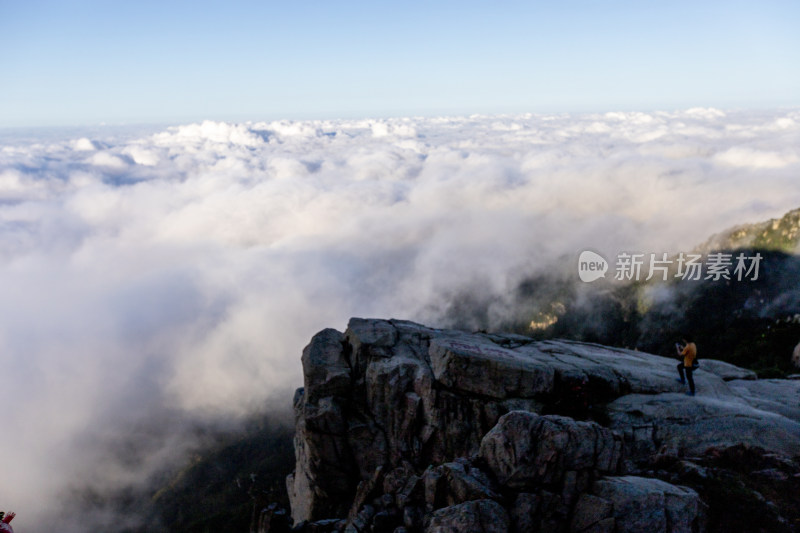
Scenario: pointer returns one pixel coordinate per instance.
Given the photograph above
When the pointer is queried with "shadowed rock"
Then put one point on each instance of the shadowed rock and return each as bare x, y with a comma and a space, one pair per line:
405, 427
640, 504
479, 516
528, 451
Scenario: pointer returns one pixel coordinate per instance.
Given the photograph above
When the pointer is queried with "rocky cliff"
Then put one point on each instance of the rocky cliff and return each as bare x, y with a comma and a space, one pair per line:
401, 427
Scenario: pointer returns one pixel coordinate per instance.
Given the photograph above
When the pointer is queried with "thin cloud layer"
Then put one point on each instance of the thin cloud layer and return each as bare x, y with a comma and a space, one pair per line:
179, 274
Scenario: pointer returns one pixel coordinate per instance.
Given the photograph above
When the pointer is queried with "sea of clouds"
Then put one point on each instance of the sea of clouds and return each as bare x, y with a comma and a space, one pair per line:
176, 275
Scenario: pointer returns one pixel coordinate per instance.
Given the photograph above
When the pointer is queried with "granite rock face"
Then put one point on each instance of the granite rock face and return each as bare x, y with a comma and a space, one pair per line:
401, 427
478, 516
640, 504
526, 451
727, 371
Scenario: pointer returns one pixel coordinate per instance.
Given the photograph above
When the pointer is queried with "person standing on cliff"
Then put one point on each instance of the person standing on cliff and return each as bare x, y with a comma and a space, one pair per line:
689, 364
5, 521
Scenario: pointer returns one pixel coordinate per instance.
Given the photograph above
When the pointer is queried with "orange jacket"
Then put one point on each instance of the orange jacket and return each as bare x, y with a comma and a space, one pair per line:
689, 354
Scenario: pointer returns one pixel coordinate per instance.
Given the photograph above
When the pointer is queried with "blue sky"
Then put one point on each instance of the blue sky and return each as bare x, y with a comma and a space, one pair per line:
90, 62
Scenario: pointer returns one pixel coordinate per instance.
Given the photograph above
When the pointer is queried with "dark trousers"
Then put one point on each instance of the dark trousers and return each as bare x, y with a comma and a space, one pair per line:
689, 378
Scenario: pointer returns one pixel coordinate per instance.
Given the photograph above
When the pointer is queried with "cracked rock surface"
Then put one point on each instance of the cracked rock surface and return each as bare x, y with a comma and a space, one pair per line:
401, 427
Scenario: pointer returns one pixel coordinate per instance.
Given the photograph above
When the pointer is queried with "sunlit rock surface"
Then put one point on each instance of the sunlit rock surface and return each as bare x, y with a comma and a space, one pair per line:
404, 426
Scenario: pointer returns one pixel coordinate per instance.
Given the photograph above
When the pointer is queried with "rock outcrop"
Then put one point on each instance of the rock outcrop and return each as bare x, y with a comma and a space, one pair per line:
401, 427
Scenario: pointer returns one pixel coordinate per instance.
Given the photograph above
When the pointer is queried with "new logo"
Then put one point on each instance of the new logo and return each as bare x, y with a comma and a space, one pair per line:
591, 266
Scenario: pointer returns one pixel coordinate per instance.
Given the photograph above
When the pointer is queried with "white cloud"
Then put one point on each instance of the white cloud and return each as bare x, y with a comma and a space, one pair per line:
708, 113
209, 132
184, 271
105, 159
84, 145
756, 159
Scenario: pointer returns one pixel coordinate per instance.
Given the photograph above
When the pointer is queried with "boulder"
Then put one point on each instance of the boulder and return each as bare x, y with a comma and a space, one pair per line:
325, 368
461, 482
642, 504
524, 511
592, 513
478, 366
796, 356
478, 516
527, 451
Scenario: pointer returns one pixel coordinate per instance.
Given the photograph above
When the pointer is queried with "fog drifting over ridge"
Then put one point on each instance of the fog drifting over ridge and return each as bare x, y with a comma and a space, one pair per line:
181, 273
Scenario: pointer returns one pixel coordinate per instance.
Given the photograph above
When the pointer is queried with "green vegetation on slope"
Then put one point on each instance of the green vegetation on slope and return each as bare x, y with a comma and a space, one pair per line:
778, 235
219, 490
753, 324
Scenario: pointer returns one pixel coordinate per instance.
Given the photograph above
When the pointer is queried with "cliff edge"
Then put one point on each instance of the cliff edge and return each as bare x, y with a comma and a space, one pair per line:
401, 427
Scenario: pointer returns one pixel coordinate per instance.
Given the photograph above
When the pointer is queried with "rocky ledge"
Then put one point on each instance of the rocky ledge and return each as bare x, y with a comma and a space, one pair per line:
401, 427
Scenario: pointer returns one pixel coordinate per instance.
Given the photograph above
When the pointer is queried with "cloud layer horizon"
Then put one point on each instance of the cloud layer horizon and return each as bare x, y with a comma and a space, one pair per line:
179, 274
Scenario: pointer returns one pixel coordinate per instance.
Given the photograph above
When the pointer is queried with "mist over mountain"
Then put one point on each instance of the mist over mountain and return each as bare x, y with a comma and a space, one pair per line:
156, 284
752, 322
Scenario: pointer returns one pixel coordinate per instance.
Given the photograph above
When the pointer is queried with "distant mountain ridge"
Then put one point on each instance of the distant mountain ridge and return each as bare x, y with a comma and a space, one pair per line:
776, 234
753, 323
